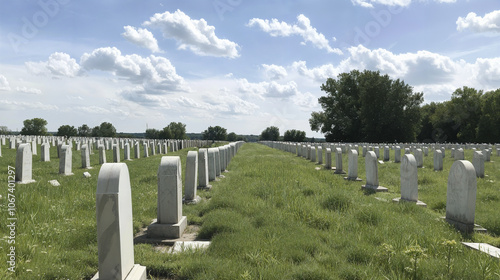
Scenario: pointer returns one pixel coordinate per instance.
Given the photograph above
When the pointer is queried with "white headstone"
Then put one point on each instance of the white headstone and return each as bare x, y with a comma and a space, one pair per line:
397, 154
438, 160
386, 153
191, 178
24, 164
126, 151
371, 167
85, 157
478, 163
320, 155
419, 157
338, 161
461, 195
170, 223
409, 179
116, 153
203, 168
211, 164
146, 150
352, 171
137, 153
115, 245
102, 154
66, 160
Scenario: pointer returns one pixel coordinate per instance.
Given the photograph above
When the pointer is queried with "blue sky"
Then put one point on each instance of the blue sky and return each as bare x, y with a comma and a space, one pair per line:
244, 65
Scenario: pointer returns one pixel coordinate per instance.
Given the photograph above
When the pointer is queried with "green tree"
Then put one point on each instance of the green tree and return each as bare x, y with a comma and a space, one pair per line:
4, 130
84, 131
294, 136
466, 111
152, 133
165, 133
367, 106
104, 130
67, 130
215, 133
231, 137
488, 130
177, 130
271, 133
34, 126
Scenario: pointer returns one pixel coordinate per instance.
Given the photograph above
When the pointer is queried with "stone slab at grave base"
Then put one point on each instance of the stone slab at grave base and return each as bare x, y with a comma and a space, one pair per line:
181, 246
419, 203
357, 179
25, 182
190, 234
485, 248
221, 176
138, 272
374, 188
467, 228
196, 200
339, 172
156, 230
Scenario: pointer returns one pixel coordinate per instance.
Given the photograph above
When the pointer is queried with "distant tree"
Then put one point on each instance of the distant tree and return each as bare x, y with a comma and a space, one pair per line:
4, 130
271, 133
294, 136
367, 106
466, 111
84, 131
67, 130
488, 130
177, 130
215, 133
104, 130
165, 133
152, 133
231, 137
34, 126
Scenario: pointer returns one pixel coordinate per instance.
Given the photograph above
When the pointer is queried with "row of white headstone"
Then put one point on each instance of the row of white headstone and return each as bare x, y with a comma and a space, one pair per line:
462, 184
114, 206
25, 152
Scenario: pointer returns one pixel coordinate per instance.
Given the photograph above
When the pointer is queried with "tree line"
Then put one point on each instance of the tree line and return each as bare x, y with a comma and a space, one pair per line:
370, 107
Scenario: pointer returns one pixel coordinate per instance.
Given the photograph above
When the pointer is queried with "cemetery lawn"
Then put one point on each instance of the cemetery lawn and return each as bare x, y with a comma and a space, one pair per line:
273, 216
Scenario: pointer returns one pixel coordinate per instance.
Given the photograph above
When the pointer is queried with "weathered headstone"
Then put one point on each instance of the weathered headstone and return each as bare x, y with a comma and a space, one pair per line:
459, 154
115, 245
409, 180
478, 163
386, 153
24, 164
45, 152
203, 168
211, 164
85, 157
191, 178
66, 160
438, 160
320, 155
352, 171
170, 223
328, 159
397, 154
102, 154
371, 161
313, 154
338, 161
419, 157
461, 196
116, 153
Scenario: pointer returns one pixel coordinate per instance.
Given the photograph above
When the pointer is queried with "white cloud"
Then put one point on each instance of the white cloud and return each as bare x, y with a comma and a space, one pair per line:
274, 72
58, 65
401, 3
267, 89
29, 90
4, 84
490, 22
19, 105
141, 37
306, 101
302, 28
319, 74
155, 75
195, 35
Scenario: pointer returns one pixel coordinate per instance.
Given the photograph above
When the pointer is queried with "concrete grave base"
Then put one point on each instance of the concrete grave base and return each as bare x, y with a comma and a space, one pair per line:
357, 179
138, 272
484, 247
181, 246
156, 230
467, 228
25, 182
196, 200
419, 203
375, 188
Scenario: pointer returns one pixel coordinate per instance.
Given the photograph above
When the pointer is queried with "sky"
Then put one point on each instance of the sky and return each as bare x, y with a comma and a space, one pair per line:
240, 64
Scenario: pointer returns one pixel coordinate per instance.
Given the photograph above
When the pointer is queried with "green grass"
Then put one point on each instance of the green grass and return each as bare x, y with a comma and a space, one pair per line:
273, 217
